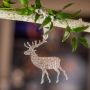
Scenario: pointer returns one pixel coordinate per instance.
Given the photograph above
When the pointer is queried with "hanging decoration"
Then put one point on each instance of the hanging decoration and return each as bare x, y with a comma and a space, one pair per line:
44, 63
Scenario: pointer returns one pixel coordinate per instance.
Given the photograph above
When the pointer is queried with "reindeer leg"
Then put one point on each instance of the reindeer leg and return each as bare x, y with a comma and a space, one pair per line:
58, 73
48, 76
43, 74
63, 72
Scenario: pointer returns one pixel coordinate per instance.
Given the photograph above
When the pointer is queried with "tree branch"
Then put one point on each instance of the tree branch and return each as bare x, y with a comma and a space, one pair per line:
12, 15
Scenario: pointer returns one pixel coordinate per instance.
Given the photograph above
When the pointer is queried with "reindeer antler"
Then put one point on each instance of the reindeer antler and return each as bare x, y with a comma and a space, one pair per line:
35, 44
27, 46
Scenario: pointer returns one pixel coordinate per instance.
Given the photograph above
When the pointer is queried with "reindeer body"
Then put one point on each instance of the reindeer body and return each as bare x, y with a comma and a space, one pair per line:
45, 63
49, 62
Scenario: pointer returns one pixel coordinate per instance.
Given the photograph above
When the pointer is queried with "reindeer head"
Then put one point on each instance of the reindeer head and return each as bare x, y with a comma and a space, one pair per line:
34, 45
30, 49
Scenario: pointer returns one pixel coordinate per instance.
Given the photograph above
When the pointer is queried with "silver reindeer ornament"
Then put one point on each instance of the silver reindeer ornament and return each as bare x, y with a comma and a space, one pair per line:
44, 63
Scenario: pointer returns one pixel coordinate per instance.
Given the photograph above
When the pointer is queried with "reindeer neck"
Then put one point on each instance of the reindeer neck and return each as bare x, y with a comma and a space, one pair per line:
34, 58
33, 54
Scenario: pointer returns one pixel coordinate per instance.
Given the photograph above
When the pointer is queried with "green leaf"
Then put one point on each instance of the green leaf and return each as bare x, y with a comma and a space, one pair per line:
6, 4
22, 11
31, 9
68, 28
37, 4
25, 11
66, 34
51, 12
74, 44
23, 2
68, 5
83, 41
76, 14
9, 1
62, 15
50, 28
46, 21
37, 17
79, 29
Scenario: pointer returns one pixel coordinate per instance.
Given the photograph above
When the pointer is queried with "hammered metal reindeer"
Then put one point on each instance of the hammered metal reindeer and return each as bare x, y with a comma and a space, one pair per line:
44, 63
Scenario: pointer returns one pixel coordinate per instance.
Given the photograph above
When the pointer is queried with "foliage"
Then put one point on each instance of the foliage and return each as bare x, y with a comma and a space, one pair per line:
75, 39
23, 2
46, 21
27, 9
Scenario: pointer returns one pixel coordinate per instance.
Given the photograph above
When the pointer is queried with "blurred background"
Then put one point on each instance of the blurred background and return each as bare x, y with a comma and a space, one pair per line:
17, 71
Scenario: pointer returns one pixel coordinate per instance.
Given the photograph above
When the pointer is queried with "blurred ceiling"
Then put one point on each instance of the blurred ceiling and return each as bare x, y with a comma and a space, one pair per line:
84, 5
